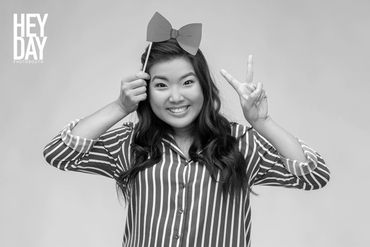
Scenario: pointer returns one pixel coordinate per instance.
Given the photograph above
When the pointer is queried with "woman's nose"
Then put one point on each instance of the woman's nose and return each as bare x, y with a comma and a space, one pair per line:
176, 95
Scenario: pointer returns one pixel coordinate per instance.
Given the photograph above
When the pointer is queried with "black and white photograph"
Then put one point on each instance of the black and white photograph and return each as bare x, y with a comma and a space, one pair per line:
184, 123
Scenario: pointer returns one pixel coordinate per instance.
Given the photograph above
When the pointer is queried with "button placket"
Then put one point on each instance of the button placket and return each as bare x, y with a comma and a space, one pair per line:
180, 206
186, 193
182, 186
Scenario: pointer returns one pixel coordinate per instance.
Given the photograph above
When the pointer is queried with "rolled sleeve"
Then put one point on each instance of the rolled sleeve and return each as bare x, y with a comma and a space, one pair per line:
77, 143
109, 155
301, 168
276, 170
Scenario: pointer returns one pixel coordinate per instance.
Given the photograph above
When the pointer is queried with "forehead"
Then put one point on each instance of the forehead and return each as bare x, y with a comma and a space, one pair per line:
175, 67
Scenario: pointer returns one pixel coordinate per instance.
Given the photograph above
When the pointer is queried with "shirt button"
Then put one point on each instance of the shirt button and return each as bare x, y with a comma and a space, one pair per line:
177, 236
181, 211
187, 162
183, 186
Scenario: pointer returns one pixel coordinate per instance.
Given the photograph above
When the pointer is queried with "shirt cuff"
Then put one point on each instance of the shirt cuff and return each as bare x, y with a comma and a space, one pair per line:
77, 143
301, 168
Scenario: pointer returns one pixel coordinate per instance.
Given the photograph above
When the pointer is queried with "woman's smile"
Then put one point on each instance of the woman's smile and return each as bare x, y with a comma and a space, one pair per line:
179, 110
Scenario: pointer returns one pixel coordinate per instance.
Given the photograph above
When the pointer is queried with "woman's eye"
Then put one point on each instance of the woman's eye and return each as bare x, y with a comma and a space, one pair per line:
160, 84
188, 82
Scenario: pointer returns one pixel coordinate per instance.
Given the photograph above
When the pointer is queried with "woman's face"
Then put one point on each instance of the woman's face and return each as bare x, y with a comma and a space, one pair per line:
175, 94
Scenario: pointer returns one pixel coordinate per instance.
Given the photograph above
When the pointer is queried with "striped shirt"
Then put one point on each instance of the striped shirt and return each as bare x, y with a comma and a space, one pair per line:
176, 202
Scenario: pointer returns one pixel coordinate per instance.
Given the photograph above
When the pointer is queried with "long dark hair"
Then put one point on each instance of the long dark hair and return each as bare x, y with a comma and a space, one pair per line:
211, 131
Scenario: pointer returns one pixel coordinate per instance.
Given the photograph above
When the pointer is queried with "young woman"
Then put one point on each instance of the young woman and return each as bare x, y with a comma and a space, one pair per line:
185, 171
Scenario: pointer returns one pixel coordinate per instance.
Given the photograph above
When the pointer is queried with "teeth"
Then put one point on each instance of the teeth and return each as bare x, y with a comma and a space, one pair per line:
178, 109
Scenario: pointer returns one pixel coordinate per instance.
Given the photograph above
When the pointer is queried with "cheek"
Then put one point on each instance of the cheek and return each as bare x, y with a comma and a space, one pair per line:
155, 100
201, 103
199, 97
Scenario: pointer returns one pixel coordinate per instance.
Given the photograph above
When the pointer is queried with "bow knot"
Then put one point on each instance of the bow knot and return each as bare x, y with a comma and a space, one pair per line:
174, 33
188, 37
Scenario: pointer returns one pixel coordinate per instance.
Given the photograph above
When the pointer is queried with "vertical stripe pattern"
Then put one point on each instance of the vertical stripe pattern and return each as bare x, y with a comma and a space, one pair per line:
176, 202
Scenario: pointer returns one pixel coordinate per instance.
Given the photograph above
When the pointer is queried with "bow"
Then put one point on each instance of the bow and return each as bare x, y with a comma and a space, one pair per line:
188, 37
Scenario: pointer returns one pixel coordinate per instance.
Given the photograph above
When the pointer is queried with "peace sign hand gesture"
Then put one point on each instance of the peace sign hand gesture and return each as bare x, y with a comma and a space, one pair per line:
253, 98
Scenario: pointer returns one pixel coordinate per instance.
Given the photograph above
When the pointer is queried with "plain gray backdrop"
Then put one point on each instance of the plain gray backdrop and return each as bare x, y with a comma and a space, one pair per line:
312, 57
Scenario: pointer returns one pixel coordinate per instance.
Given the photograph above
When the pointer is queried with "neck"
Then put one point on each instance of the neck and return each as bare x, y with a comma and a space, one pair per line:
183, 133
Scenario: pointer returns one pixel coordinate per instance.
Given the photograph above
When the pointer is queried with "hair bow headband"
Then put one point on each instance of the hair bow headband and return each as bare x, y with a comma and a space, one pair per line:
160, 29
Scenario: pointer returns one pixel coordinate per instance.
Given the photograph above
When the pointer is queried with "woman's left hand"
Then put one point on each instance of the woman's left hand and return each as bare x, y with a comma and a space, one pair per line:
252, 97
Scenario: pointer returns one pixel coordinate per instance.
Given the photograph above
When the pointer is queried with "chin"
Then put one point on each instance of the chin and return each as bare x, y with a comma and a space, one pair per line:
180, 123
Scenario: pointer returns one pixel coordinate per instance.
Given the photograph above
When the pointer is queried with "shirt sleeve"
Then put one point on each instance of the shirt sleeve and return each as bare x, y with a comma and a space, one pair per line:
107, 156
274, 169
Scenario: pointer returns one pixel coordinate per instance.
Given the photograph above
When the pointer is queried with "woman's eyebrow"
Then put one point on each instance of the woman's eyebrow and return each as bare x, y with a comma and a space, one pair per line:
187, 74
166, 79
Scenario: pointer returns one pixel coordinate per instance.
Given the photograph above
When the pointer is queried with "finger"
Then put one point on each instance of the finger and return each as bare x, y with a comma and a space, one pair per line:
129, 78
236, 84
233, 82
136, 83
261, 97
250, 86
142, 75
137, 91
250, 69
264, 95
257, 93
140, 97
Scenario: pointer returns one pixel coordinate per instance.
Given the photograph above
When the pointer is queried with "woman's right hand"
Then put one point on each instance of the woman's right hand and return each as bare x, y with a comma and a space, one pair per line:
133, 90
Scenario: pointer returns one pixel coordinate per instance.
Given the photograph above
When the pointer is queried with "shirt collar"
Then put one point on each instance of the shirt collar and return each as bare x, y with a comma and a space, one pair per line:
170, 141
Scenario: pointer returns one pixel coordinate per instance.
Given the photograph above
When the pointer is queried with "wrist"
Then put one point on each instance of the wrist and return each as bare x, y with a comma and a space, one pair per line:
261, 123
120, 107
